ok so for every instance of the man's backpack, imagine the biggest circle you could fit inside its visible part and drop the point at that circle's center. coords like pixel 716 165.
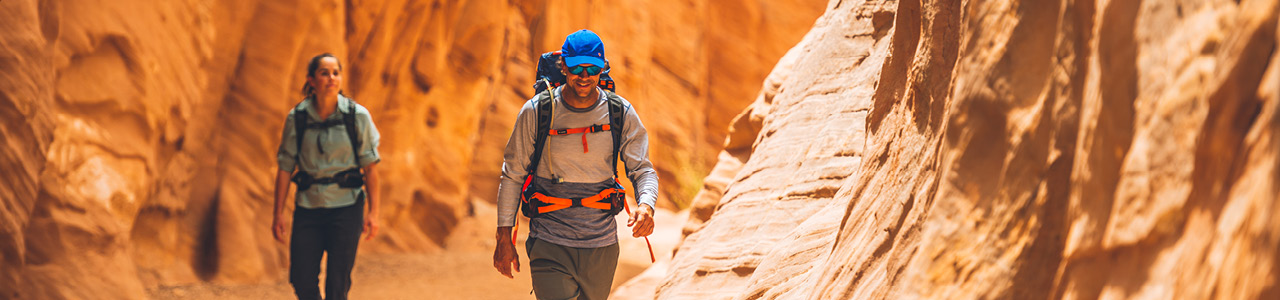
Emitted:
pixel 350 178
pixel 549 76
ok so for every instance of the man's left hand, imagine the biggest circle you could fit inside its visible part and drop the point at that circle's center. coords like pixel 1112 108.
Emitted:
pixel 641 221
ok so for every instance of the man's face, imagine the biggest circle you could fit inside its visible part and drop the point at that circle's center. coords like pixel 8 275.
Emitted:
pixel 583 79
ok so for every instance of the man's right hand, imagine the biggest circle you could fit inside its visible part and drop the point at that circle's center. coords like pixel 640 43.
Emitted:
pixel 505 257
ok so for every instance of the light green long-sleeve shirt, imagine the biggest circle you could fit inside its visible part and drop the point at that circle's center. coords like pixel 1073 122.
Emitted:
pixel 327 151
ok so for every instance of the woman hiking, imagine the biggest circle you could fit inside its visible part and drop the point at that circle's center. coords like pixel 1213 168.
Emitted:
pixel 329 148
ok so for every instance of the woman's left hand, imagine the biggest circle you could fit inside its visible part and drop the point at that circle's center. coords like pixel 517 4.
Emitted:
pixel 371 225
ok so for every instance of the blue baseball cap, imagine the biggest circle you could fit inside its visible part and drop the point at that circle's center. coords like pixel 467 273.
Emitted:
pixel 583 47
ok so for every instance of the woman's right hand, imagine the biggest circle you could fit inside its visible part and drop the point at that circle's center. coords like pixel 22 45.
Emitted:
pixel 277 228
pixel 282 190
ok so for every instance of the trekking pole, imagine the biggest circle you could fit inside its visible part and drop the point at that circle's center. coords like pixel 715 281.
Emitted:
pixel 646 243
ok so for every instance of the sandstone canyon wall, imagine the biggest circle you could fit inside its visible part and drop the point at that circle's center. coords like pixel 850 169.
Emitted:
pixel 949 149
pixel 137 138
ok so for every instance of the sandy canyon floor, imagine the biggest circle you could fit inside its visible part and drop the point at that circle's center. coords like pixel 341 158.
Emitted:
pixel 462 271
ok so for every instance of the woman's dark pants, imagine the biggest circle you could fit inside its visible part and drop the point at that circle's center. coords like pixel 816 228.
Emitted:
pixel 315 232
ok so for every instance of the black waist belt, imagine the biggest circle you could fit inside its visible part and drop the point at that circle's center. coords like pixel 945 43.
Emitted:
pixel 349 178
pixel 325 180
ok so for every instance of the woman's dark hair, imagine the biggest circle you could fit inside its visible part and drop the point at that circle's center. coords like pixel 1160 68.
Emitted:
pixel 311 71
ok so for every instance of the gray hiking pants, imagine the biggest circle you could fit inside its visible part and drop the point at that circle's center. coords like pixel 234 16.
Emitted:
pixel 561 272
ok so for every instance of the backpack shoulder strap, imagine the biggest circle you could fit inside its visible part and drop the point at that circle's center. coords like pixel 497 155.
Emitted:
pixel 617 119
pixel 542 104
pixel 349 120
pixel 300 117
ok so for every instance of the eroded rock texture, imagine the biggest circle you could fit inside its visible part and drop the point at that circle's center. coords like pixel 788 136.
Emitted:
pixel 1001 149
pixel 138 138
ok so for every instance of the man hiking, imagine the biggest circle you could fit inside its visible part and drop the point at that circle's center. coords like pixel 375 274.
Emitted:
pixel 559 168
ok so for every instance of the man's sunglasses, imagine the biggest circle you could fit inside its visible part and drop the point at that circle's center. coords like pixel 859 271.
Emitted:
pixel 591 70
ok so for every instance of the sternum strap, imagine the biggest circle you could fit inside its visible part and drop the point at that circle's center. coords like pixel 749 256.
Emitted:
pixel 583 130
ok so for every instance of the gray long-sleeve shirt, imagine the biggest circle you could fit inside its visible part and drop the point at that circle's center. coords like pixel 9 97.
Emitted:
pixel 584 173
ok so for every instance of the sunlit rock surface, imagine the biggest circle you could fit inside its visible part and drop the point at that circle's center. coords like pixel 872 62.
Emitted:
pixel 138 138
pixel 1000 149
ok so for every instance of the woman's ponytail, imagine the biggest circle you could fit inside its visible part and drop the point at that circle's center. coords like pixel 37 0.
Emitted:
pixel 306 89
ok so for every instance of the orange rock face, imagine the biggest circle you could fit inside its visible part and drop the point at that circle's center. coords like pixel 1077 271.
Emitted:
pixel 1001 149
pixel 139 137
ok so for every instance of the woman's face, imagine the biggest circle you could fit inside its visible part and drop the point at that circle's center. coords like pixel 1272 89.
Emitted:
pixel 327 78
